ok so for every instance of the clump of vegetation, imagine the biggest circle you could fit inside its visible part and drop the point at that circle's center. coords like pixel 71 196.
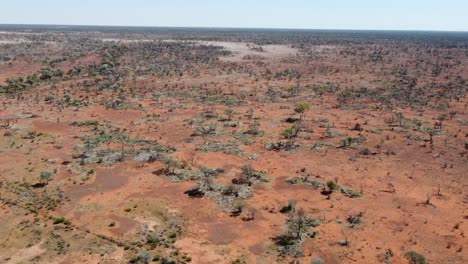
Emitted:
pixel 204 130
pixel 317 184
pixel 298 227
pixel 45 177
pixel 61 220
pixel 250 176
pixel 332 186
pixel 229 197
pixel 288 142
pixel 290 208
pixel 230 148
pixel 85 123
pixel 355 219
pixel 57 244
pixel 350 192
pixel 290 133
pixel 144 257
pixel 301 110
pixel 33 197
pixel 144 151
pixel 351 141
pixel 254 129
pixel 327 187
pixel 171 164
pixel 317 261
pixel 415 258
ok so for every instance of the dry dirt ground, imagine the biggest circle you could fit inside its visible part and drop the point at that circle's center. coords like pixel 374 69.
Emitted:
pixel 95 166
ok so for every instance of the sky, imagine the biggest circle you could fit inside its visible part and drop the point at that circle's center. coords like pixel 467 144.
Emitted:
pixel 450 15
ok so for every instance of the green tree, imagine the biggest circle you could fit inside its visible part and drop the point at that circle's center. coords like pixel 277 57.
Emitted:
pixel 301 109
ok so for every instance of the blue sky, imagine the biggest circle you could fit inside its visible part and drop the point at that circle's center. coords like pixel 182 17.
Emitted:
pixel 313 14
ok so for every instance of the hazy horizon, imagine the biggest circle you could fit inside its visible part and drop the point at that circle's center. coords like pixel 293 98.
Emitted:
pixel 397 15
pixel 232 28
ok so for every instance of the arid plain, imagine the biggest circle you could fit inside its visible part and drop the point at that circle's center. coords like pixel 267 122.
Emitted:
pixel 134 145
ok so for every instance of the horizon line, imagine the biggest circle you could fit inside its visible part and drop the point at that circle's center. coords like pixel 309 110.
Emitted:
pixel 234 28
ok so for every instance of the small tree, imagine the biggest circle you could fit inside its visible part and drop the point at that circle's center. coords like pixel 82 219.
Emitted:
pixel 207 182
pixel 229 113
pixel 298 228
pixel 254 128
pixel 144 257
pixel 248 175
pixel 171 164
pixel 290 135
pixel 298 224
pixel 123 139
pixel 107 139
pixel 247 169
pixel 249 114
pixel 399 117
pixel 431 132
pixel 205 130
pixel 301 109
pixel 45 177
pixel 332 186
pixel 290 132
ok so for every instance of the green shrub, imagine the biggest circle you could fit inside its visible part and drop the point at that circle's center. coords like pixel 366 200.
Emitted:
pixel 290 132
pixel 317 261
pixel 332 185
pixel 46 176
pixel 415 258
pixel 59 220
